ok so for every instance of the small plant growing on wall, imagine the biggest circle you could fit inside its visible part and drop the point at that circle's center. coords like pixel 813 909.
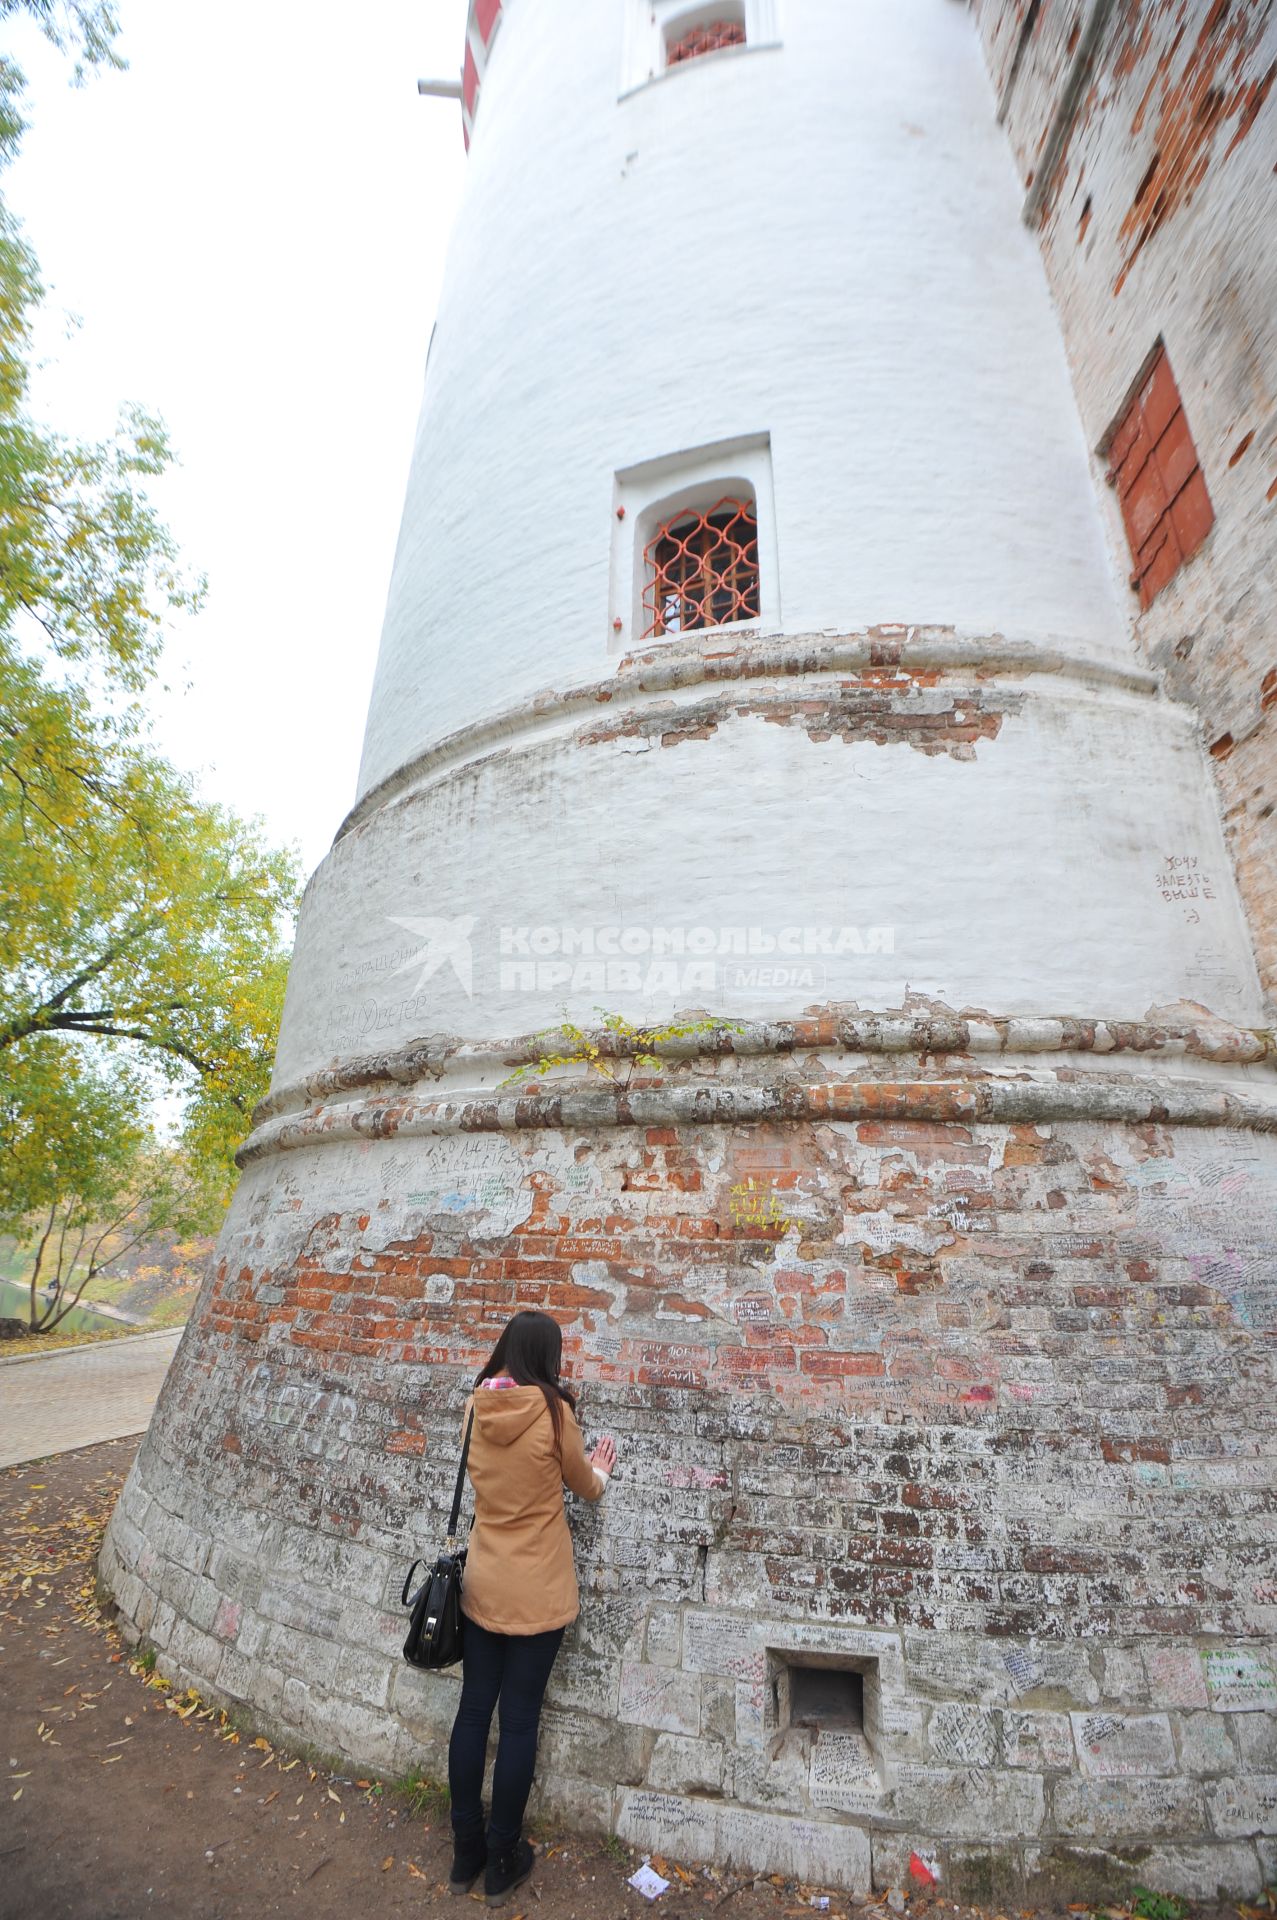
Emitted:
pixel 1147 1905
pixel 617 1043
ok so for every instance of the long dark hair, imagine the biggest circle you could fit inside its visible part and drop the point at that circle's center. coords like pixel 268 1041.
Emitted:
pixel 531 1352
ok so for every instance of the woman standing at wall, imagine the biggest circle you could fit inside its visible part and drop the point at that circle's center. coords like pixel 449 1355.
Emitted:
pixel 520 1590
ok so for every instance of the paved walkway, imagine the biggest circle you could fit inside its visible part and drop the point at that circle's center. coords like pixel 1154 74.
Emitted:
pixel 52 1403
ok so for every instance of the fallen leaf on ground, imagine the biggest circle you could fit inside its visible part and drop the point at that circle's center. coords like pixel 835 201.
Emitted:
pixel 388 1863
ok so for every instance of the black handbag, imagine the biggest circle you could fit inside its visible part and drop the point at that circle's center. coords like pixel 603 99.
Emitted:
pixel 435 1616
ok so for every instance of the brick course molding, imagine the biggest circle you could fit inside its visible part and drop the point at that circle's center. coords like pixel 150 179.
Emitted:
pixel 894 659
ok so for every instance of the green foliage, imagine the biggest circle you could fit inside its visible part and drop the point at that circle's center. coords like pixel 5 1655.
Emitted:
pixel 141 938
pixel 126 1201
pixel 86 29
pixel 1146 1905
pixel 426 1799
pixel 618 1040
pixel 145 1658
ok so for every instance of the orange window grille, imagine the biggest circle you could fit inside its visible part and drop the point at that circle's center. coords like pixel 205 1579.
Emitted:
pixel 1153 464
pixel 705 39
pixel 702 570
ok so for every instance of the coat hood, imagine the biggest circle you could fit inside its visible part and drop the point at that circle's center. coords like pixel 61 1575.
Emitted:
pixel 504 1413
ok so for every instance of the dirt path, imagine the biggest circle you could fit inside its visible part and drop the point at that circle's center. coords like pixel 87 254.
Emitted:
pixel 120 1800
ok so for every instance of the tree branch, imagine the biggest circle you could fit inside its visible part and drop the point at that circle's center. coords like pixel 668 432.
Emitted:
pixel 39 1261
pixel 113 952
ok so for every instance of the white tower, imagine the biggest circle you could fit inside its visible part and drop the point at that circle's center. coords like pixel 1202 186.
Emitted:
pixel 753 664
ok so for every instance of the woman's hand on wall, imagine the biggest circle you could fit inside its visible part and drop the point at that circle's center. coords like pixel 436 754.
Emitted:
pixel 603 1458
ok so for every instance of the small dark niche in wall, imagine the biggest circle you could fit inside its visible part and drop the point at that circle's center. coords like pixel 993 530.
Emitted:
pixel 825 1697
pixel 820 1690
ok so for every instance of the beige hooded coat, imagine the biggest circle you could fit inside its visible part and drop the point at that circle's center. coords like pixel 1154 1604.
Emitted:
pixel 519 1574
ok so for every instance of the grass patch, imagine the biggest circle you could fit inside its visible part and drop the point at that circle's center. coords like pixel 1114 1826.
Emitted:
pixel 145 1659
pixel 50 1342
pixel 425 1799
pixel 174 1311
pixel 1147 1905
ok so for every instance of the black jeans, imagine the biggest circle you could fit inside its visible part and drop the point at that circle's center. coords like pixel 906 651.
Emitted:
pixel 512 1668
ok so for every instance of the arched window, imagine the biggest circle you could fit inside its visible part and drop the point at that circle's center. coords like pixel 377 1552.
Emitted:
pixel 706 37
pixel 701 569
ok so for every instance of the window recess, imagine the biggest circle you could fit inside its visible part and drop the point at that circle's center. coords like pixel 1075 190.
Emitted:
pixel 701 570
pixel 684 41
pixel 664 37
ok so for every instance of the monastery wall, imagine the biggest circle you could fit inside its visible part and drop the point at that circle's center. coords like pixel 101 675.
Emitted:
pixel 1145 134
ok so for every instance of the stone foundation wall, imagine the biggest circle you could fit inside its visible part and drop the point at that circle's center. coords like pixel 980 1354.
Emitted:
pixel 984 1414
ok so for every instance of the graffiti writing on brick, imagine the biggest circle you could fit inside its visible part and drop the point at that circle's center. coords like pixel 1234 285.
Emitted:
pixel 753 1205
pixel 717 1643
pixel 963 1736
pixel 1239 1681
pixel 844 1775
pixel 1111 1745
pixel 1183 877
pixel 320 1420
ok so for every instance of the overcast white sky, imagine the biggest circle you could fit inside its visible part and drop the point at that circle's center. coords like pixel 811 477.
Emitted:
pixel 250 226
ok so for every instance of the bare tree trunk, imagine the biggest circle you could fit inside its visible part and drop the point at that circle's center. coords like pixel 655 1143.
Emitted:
pixel 95 1265
pixel 32 1321
pixel 47 1321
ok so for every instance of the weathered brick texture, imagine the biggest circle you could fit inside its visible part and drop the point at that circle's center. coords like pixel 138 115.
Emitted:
pixel 1154 216
pixel 990 1410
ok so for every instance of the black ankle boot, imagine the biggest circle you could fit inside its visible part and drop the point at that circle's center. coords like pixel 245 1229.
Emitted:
pixel 508 1868
pixel 469 1858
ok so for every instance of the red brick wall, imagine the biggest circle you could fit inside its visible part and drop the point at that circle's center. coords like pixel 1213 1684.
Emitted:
pixel 996 1403
pixel 1148 166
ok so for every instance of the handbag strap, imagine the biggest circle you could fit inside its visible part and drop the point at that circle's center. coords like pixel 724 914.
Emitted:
pixel 455 1515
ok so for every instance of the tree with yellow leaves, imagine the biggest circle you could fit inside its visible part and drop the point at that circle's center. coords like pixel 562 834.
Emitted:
pixel 142 929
